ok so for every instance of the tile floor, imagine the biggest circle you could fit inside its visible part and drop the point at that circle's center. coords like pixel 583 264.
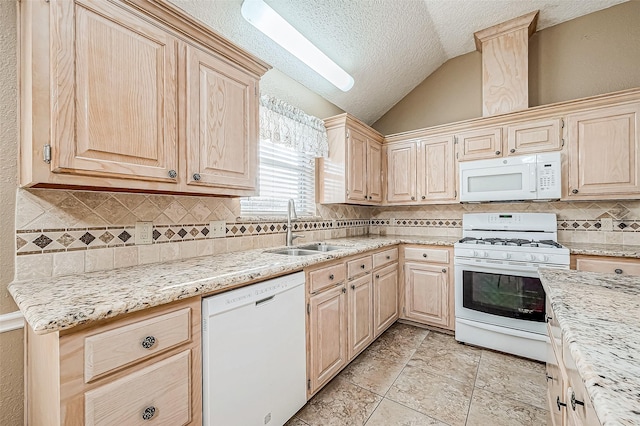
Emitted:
pixel 412 376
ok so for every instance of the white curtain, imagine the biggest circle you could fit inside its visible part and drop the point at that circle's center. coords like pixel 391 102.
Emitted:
pixel 284 124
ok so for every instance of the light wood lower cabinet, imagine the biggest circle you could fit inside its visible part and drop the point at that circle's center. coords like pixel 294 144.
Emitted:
pixel 144 367
pixel 385 297
pixel 428 286
pixel 360 322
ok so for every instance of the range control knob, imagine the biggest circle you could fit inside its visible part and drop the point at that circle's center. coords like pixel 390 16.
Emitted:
pixel 544 258
pixel 506 255
pixel 475 253
pixel 531 257
pixel 485 253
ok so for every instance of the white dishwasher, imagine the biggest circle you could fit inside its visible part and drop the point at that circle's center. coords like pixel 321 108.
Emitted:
pixel 254 354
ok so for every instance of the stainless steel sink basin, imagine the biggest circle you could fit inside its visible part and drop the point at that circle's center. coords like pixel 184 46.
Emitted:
pixel 320 247
pixel 293 252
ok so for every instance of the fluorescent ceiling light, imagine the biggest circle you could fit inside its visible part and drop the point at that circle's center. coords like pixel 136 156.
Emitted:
pixel 264 18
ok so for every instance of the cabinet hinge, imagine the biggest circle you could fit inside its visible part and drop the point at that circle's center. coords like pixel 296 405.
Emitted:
pixel 404 311
pixel 46 154
pixel 348 134
pixel 457 155
pixel 308 309
pixel 309 384
pixel 562 120
pixel 455 139
pixel 562 142
pixel 455 193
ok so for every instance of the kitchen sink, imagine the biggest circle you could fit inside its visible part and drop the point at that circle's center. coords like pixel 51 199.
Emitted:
pixel 293 252
pixel 320 247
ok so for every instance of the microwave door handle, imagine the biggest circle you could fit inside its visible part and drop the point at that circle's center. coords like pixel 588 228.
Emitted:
pixel 532 178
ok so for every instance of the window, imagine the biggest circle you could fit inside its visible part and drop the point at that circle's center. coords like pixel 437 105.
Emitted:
pixel 284 173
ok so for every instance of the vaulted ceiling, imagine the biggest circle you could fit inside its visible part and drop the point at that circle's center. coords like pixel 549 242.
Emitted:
pixel 388 46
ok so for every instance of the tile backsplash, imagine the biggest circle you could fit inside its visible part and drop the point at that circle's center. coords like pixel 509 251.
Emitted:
pixel 61 232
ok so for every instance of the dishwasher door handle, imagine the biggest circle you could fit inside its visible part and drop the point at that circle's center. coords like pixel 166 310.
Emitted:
pixel 265 300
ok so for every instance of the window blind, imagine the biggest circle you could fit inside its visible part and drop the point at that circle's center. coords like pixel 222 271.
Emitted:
pixel 284 173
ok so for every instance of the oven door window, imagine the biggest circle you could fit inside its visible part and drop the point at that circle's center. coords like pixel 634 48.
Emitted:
pixel 504 295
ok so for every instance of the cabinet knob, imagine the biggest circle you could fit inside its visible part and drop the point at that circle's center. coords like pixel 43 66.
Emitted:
pixel 548 377
pixel 148 413
pixel 362 266
pixel 548 318
pixel 331 276
pixel 424 255
pixel 196 176
pixel 413 198
pixel 512 150
pixel 444 270
pixel 618 271
pixel 344 289
pixel 377 275
pixel 560 404
pixel 172 174
pixel 574 401
pixel 424 197
pixel 574 191
pixel 148 342
pixel 497 152
pixel 370 197
pixel 388 257
pixel 353 286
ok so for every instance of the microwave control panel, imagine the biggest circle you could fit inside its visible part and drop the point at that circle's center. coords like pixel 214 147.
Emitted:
pixel 548 176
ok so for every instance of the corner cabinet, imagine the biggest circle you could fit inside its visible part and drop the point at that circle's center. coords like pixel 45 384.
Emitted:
pixel 604 153
pixel 352 173
pixel 104 89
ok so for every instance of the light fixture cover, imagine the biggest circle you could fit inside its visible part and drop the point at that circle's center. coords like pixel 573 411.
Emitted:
pixel 274 26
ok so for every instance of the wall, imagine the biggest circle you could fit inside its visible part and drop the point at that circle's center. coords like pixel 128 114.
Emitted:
pixel 594 54
pixel 11 396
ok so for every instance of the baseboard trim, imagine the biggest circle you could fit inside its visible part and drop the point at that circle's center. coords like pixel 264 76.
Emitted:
pixel 11 321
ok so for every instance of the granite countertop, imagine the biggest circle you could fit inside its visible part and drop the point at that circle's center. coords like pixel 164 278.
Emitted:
pixel 595 249
pixel 64 302
pixel 599 314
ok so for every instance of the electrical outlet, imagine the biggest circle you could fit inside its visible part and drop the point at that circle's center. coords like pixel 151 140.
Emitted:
pixel 606 224
pixel 218 228
pixel 144 233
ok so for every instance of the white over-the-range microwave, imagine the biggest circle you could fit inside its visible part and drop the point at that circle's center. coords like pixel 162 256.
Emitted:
pixel 525 177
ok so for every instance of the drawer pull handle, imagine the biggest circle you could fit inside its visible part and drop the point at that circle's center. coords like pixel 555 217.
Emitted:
pixel 331 277
pixel 362 266
pixel 148 413
pixel 424 255
pixel 618 271
pixel 388 257
pixel 574 401
pixel 148 342
pixel 560 404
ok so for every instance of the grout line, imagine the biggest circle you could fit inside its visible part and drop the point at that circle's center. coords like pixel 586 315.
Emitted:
pixel 473 390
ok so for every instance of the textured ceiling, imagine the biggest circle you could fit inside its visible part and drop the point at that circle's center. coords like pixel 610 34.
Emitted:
pixel 388 46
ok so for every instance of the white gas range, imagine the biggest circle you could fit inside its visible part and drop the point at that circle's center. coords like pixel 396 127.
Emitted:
pixel 500 302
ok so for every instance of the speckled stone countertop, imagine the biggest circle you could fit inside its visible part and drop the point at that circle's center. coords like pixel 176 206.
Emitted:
pixel 594 249
pixel 64 302
pixel 600 316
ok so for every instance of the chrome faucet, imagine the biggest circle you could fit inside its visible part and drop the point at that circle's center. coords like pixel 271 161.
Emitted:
pixel 291 215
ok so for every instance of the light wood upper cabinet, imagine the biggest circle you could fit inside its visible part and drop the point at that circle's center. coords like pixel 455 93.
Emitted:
pixel 401 172
pixel 604 153
pixel 136 98
pixel 327 334
pixel 116 91
pixel 352 172
pixel 385 298
pixel 436 170
pixel 360 324
pixel 222 131
pixel 480 144
pixel 531 137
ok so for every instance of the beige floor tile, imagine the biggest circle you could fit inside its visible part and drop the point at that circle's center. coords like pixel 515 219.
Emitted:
pixel 444 399
pixel 294 421
pixel 441 354
pixel 390 413
pixel 491 409
pixel 373 372
pixel 339 403
pixel 398 342
pixel 513 377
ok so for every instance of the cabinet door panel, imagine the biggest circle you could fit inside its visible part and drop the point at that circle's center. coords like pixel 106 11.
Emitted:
pixel 327 329
pixel 360 314
pixel 533 137
pixel 374 171
pixel 385 298
pixel 604 158
pixel 479 144
pixel 401 172
pixel 222 135
pixel 427 294
pixel 357 166
pixel 436 177
pixel 116 92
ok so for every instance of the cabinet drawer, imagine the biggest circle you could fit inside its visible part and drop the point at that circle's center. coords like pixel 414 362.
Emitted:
pixel 426 255
pixel 326 277
pixel 116 348
pixel 610 266
pixel 385 257
pixel 159 392
pixel 359 266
